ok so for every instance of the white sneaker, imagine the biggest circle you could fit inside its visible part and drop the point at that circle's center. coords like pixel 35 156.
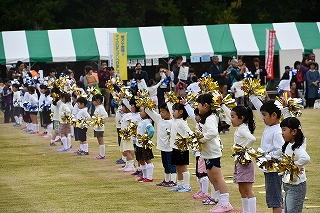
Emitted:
pixel 129 169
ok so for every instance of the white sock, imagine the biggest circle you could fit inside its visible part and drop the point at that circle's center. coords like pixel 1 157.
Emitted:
pixel 49 129
pixel 69 141
pixel 72 131
pixel 204 182
pixel 150 167
pixel 81 146
pixel 64 141
pixel 174 177
pixel 144 170
pixel 180 183
pixel 166 177
pixel 252 205
pixel 45 130
pixel 283 211
pixel 34 127
pixel 20 120
pixel 102 150
pixel 86 147
pixel 186 178
pixel 37 127
pixel 124 158
pixel 28 126
pixel 245 205
pixel 224 198
pixel 16 119
pixel 131 163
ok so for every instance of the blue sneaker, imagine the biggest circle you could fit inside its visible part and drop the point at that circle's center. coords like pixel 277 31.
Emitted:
pixel 15 124
pixel 185 189
pixel 176 189
pixel 63 150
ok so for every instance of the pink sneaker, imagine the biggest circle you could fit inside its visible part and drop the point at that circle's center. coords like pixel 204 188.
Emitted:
pixel 121 169
pixel 219 208
pixel 195 194
pixel 200 195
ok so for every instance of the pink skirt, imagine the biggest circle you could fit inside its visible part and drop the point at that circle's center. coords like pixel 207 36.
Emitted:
pixel 243 173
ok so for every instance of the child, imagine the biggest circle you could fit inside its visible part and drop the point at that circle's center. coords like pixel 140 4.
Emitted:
pixel 81 131
pixel 153 90
pixel 65 110
pixel 238 92
pixel 26 113
pixel 144 155
pixel 55 107
pixel 135 117
pixel 118 118
pixel 17 102
pixel 34 105
pixel 75 110
pixel 295 191
pixel 194 86
pixel 7 95
pixel 164 122
pixel 284 84
pixel 100 111
pixel 180 158
pixel 126 146
pixel 242 118
pixel 45 107
pixel 271 143
pixel 211 152
pixel 201 172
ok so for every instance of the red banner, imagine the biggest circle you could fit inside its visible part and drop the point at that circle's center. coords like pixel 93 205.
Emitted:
pixel 270 44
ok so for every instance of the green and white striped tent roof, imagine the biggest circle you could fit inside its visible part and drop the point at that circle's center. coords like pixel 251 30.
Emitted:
pixel 156 42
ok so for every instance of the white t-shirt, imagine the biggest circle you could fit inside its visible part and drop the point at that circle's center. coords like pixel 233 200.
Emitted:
pixel 194 88
pixel 236 89
pixel 17 99
pixel 142 128
pixel 101 112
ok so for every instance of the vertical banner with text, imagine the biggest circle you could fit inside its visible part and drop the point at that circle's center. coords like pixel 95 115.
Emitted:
pixel 270 45
pixel 118 53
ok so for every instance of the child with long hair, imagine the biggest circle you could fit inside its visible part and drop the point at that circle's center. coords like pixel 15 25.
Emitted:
pixel 242 118
pixel 211 151
pixel 144 155
pixel 97 101
pixel 55 117
pixel 45 108
pixel 164 121
pixel 294 145
pixel 34 107
pixel 65 110
pixel 180 158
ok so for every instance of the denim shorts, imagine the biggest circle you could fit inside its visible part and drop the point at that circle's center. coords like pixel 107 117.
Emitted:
pixel 16 111
pixel 273 184
pixel 294 197
pixel 166 162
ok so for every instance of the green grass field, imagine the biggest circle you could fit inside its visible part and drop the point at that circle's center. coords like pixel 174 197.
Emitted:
pixel 34 177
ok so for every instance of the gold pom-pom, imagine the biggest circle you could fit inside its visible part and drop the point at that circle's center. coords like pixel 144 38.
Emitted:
pixel 172 97
pixel 194 140
pixel 144 100
pixel 253 87
pixel 181 143
pixel 287 167
pixel 295 107
pixel 145 141
pixel 51 116
pixel 97 121
pixel 229 101
pixel 192 99
pixel 241 154
pixel 208 85
pixel 215 103
pixel 67 118
pixel 131 130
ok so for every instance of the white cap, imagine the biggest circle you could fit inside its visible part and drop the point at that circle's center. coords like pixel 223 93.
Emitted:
pixel 126 103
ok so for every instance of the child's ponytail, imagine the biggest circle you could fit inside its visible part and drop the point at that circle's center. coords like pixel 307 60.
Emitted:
pixel 294 123
pixel 247 114
pixel 250 120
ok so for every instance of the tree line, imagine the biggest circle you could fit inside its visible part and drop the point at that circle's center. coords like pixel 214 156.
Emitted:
pixel 64 14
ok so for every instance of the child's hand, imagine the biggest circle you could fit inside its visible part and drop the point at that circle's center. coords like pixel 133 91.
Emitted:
pixel 183 101
pixel 301 170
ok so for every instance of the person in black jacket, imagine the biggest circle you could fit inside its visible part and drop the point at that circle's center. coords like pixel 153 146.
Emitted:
pixel 216 72
pixel 259 71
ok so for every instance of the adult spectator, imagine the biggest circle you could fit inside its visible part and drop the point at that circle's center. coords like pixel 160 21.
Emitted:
pixel 140 74
pixel 165 86
pixel 157 76
pixel 35 72
pixel 191 74
pixel 297 75
pixel 11 74
pixel 216 72
pixel 176 68
pixel 313 79
pixel 20 72
pixel 104 76
pixel 52 74
pixel 304 67
pixel 312 57
pixel 234 71
pixel 259 71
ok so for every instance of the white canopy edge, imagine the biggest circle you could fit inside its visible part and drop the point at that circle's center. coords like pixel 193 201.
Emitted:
pixel 288 36
pixel 62 46
pixel 153 42
pixel 103 41
pixel 198 40
pixel 15 46
pixel 244 39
